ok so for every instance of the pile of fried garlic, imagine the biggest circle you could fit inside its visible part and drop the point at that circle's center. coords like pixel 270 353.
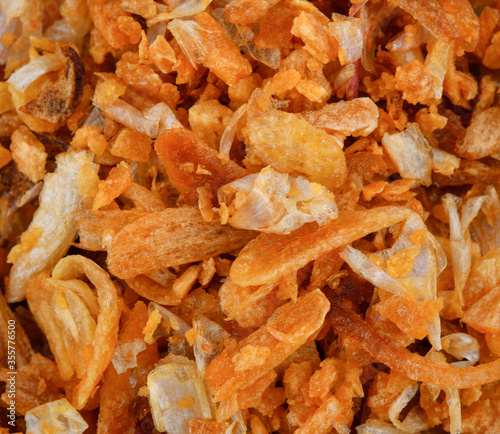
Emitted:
pixel 230 216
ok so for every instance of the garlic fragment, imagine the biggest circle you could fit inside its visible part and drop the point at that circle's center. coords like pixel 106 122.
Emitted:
pixel 275 202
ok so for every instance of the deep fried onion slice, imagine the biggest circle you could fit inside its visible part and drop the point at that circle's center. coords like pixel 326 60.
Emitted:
pixel 412 365
pixel 65 309
pixel 168 238
pixel 293 251
pixel 191 163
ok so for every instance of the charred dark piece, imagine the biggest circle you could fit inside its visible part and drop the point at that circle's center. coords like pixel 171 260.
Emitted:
pixel 58 100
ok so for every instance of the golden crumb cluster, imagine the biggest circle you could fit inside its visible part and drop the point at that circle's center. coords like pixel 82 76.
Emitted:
pixel 262 216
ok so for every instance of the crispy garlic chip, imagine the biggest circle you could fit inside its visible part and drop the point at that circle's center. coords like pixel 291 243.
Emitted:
pixel 168 238
pixel 290 326
pixel 60 415
pixel 81 327
pixel 53 227
pixel 184 154
pixel 293 251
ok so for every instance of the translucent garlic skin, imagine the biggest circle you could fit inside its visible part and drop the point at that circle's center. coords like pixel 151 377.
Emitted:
pixel 177 394
pixel 275 202
pixel 415 158
pixel 58 416
pixel 407 267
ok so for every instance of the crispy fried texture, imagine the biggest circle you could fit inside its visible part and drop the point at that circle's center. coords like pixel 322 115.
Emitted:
pixel 89 353
pixel 293 251
pixel 223 57
pixel 357 117
pixel 182 153
pixel 132 145
pixel 28 153
pixel 106 333
pixel 313 29
pixel 168 238
pixel 290 327
pixel 433 16
pixel 53 227
pixel 154 291
pixel 114 23
pixel 57 101
pixel 410 364
pixel 117 182
pixel 247 11
pixel 120 405
pixel 94 227
pixel 297 203
pixel 292 145
pixel 409 315
pixel 481 137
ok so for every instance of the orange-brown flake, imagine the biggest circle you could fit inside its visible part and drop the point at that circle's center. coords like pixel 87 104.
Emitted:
pixel 117 182
pixel 168 238
pixel 131 145
pixel 28 153
pixel 178 146
pixel 289 328
pixel 291 252
pixel 114 23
